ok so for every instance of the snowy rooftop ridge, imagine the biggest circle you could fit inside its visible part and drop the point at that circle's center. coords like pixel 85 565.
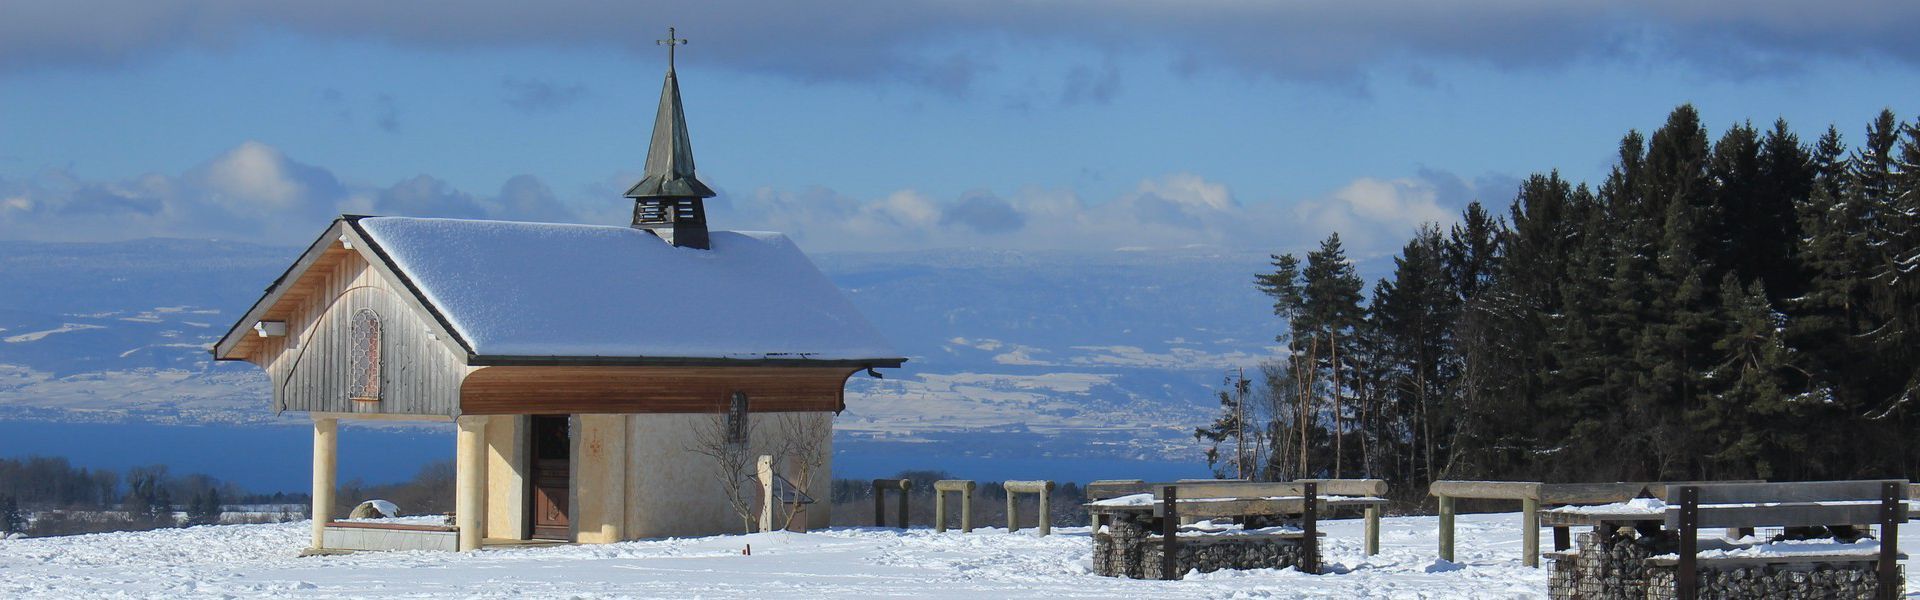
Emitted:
pixel 557 290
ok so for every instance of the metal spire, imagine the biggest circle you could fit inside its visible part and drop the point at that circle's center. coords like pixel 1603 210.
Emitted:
pixel 669 169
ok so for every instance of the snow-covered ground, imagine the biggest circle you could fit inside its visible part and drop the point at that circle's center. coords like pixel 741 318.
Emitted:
pixel 258 561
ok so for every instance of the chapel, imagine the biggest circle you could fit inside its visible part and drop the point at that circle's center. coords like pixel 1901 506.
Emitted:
pixel 602 379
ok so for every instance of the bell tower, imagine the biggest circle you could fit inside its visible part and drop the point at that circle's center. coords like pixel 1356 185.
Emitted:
pixel 669 201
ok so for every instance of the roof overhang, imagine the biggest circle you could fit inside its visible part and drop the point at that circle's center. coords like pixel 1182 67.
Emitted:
pixel 346 230
pixel 492 360
pixel 223 349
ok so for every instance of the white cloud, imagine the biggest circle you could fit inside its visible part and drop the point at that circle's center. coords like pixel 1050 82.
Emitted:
pixel 256 192
pixel 253 192
pixel 1368 209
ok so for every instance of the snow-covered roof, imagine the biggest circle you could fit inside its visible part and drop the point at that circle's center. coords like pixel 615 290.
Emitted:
pixel 554 290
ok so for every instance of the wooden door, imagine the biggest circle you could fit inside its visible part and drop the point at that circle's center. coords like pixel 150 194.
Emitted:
pixel 547 496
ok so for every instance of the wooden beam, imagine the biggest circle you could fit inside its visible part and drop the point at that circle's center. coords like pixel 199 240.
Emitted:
pixel 626 390
pixel 1486 490
pixel 1803 491
pixel 1350 487
pixel 1785 515
pixel 1589 493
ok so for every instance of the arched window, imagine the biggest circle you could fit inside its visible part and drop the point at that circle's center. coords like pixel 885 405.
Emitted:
pixel 363 356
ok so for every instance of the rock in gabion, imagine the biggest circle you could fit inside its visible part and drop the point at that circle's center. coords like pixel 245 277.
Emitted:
pixel 1612 566
pixel 1129 549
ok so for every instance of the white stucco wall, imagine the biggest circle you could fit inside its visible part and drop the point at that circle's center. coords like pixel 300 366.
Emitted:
pixel 674 491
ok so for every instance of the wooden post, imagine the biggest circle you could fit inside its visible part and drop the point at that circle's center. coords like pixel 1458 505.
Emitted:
pixel 470 482
pixel 1686 578
pixel 939 509
pixel 1889 567
pixel 1310 551
pixel 1446 528
pixel 326 460
pixel 880 487
pixel 1373 530
pixel 962 487
pixel 1041 487
pixel 1013 512
pixel 966 509
pixel 1046 510
pixel 906 489
pixel 765 476
pixel 1530 538
pixel 1169 532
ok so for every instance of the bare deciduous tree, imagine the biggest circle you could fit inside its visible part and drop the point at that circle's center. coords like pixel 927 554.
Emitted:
pixel 804 449
pixel 732 463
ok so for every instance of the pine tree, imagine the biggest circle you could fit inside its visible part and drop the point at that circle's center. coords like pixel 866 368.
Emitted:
pixel 12 520
pixel 1233 427
pixel 1753 418
pixel 1331 311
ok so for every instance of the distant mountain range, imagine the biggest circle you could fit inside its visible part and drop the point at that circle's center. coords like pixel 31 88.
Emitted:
pixel 1029 355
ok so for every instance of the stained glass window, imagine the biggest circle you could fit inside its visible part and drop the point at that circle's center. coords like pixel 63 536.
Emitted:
pixel 737 419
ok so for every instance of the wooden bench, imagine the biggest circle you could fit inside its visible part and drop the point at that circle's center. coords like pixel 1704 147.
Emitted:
pixel 1532 496
pixel 1806 504
pixel 1303 501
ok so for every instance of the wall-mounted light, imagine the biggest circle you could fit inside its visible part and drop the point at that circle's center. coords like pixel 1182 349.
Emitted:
pixel 270 328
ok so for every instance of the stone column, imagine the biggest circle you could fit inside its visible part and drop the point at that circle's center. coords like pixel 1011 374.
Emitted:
pixel 507 471
pixel 326 460
pixel 470 482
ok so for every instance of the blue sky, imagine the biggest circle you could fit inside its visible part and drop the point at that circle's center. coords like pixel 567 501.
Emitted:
pixel 884 126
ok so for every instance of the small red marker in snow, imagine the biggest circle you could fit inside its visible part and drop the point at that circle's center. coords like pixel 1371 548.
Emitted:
pixel 748 551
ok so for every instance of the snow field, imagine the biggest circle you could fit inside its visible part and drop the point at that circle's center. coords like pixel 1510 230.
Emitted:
pixel 258 561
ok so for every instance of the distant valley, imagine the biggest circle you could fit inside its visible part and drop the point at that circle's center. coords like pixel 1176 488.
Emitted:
pixel 1023 356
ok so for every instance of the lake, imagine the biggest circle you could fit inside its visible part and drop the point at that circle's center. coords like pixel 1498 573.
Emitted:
pixel 269 458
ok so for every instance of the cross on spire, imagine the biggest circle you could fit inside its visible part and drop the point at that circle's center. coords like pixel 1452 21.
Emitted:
pixel 670 43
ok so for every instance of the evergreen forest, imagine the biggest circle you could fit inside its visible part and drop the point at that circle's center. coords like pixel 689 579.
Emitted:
pixel 1745 306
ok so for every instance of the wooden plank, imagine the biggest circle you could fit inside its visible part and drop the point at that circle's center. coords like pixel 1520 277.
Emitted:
pixel 1803 491
pixel 1115 488
pixel 1784 515
pixel 544 390
pixel 1589 493
pixel 1552 518
pixel 1486 490
pixel 1723 562
pixel 1350 487
pixel 1236 489
pixel 387 526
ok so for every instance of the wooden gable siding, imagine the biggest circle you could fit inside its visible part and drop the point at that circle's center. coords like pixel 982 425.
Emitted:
pixel 419 374
pixel 590 390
